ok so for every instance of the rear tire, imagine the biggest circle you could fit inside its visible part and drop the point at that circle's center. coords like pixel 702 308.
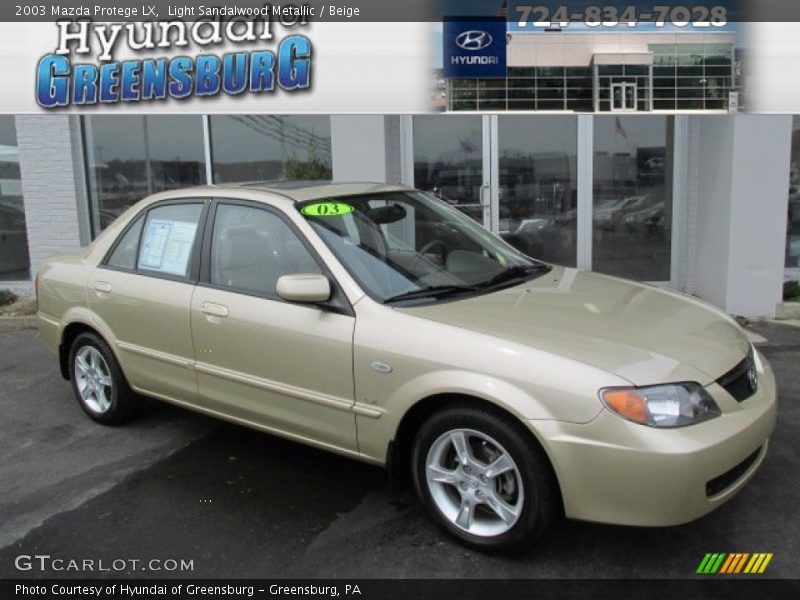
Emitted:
pixel 484 480
pixel 98 382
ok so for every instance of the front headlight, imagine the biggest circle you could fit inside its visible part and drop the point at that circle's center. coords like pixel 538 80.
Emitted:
pixel 670 405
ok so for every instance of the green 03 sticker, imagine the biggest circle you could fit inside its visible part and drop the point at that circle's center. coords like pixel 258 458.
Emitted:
pixel 326 209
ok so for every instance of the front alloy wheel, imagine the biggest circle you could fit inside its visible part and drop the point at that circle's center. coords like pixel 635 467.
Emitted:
pixel 484 479
pixel 474 482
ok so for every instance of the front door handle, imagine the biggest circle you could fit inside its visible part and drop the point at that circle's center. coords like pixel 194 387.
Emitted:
pixel 213 310
pixel 102 286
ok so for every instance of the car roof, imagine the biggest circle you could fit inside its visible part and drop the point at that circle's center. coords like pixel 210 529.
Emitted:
pixel 302 191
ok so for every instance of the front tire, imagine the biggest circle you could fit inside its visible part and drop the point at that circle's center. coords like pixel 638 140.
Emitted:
pixel 98 382
pixel 484 480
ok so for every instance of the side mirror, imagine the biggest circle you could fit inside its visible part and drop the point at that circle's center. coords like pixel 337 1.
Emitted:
pixel 308 288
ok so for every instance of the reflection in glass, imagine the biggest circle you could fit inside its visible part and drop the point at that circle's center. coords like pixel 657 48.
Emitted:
pixel 266 147
pixel 538 157
pixel 130 157
pixel 632 212
pixel 793 223
pixel 692 76
pixel 448 160
pixel 14 260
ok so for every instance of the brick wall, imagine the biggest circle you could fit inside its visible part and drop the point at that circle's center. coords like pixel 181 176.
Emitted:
pixel 52 184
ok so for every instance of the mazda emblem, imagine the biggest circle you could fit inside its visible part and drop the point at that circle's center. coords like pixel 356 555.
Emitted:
pixel 473 39
pixel 752 378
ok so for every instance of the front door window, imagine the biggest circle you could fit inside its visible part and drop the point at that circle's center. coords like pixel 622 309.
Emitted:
pixel 252 248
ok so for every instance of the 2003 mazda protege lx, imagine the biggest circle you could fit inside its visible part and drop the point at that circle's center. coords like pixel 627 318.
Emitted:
pixel 380 323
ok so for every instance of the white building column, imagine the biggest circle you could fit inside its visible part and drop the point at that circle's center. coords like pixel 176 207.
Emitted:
pixel 739 200
pixel 52 184
pixel 366 148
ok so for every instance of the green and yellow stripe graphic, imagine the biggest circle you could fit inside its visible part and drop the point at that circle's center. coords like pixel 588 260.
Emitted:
pixel 732 563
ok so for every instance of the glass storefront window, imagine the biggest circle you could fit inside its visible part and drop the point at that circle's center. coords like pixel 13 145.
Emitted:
pixel 793 222
pixel 266 147
pixel 130 157
pixel 632 209
pixel 448 160
pixel 707 68
pixel 14 260
pixel 537 170
pixel 692 76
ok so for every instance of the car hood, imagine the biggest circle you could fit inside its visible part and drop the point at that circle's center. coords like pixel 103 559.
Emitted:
pixel 636 331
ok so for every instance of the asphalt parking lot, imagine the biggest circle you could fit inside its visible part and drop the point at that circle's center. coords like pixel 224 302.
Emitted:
pixel 176 485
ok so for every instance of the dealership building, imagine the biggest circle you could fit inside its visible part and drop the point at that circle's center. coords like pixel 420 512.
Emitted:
pixel 607 72
pixel 705 204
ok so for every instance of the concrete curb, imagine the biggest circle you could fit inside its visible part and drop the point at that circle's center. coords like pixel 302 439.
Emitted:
pixel 17 323
pixel 786 322
pixel 788 310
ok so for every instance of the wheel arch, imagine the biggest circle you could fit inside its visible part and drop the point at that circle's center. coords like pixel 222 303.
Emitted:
pixel 398 455
pixel 70 332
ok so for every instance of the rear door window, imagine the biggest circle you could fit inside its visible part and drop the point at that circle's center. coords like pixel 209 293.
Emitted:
pixel 124 255
pixel 168 239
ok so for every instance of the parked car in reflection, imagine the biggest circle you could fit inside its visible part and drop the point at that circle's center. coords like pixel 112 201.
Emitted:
pixel 647 221
pixel 610 214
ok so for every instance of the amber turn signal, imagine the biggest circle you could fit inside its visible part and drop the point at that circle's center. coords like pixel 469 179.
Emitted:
pixel 627 403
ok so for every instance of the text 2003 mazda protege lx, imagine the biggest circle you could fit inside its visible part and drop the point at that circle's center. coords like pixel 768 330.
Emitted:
pixel 380 323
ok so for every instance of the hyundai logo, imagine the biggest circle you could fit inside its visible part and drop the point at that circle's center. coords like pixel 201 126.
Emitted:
pixel 473 40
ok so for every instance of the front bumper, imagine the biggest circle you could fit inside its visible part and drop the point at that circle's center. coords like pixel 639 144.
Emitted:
pixel 613 471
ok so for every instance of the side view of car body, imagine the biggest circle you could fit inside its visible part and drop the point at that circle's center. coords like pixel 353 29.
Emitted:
pixel 382 324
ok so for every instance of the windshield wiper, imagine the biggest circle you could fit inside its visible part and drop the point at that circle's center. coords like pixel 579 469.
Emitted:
pixel 434 291
pixel 515 273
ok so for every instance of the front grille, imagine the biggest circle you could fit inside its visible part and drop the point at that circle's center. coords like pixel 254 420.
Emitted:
pixel 741 381
pixel 728 478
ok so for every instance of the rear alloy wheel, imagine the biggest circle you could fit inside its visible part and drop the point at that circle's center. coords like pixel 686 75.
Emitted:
pixel 93 378
pixel 483 480
pixel 98 382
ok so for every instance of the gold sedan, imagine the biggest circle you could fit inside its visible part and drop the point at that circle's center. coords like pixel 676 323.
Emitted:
pixel 380 323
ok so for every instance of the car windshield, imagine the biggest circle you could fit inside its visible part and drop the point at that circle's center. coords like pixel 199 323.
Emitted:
pixel 410 248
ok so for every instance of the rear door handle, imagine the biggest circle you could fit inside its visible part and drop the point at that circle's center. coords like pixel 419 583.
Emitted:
pixel 213 310
pixel 103 287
